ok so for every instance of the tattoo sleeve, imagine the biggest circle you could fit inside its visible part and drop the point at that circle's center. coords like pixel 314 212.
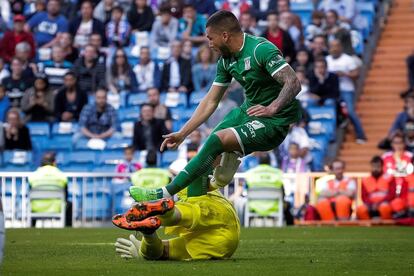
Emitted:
pixel 291 87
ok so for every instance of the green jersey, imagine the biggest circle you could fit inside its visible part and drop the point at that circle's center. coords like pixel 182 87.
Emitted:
pixel 254 67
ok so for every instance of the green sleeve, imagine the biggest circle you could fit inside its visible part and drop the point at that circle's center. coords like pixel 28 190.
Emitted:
pixel 269 56
pixel 223 78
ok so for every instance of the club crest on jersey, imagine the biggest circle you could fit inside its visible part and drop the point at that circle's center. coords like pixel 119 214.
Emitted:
pixel 247 65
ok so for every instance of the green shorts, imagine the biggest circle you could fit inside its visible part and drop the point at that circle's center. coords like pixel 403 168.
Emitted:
pixel 254 133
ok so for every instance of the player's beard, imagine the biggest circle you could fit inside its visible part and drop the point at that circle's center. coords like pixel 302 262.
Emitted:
pixel 225 51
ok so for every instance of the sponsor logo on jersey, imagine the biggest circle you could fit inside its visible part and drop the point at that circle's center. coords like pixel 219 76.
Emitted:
pixel 273 62
pixel 247 65
pixel 253 126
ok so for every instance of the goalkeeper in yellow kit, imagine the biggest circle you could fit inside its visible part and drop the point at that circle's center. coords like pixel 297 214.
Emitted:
pixel 205 223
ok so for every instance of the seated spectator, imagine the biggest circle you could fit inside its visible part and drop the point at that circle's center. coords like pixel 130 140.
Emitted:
pixel 14 37
pixel 23 51
pixel 148 131
pixel 236 7
pixel 118 29
pixel 346 9
pixel 315 27
pixel 128 165
pixel 56 68
pixel 187 51
pixel 205 7
pixel 16 134
pixel 120 76
pixel 192 26
pixel 17 6
pixel 279 37
pixel 248 24
pixel 409 136
pixel 16 84
pixel 37 102
pixel 318 47
pixel 3 70
pixel 176 73
pixel 322 84
pixel 161 111
pixel 146 71
pixel 103 11
pixel 397 162
pixel 85 25
pixel 287 24
pixel 69 100
pixel 4 103
pixel 46 26
pixel 204 71
pixel 304 96
pixel 335 29
pixel 65 41
pixel 39 6
pixel 90 73
pixel 98 120
pixel 378 191
pixel 335 196
pixel 96 40
pixel 298 135
pixel 165 28
pixel 303 60
pixel 260 8
pixel 140 16
pixel 345 67
pixel 293 162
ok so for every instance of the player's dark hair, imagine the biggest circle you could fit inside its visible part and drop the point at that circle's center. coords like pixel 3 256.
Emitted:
pixel 151 158
pixel 377 160
pixel 224 21
pixel 264 159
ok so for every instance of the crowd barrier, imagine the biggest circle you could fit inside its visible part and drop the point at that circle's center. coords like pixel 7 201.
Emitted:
pixel 96 197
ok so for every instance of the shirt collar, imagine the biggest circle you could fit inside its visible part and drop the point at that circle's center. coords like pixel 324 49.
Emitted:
pixel 242 47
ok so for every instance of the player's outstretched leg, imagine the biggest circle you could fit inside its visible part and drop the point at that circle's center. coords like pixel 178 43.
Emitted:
pixel 143 210
pixel 148 225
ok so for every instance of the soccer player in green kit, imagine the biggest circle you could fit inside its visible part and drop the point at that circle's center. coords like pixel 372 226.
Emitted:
pixel 261 123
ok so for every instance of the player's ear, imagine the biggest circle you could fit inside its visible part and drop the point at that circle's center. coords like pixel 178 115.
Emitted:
pixel 225 36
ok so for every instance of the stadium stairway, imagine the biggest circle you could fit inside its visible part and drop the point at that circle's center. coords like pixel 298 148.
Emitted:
pixel 386 79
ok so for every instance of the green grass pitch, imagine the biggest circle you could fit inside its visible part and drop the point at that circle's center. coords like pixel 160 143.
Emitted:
pixel 262 251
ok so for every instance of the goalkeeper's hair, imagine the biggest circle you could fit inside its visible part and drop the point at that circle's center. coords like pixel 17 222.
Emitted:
pixel 224 21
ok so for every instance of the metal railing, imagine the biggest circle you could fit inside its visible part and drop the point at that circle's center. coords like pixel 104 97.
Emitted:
pixel 96 197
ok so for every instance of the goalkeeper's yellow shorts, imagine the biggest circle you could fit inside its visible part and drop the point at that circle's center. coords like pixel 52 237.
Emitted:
pixel 214 233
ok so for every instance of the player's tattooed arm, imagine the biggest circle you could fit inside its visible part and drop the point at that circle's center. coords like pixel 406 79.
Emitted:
pixel 291 87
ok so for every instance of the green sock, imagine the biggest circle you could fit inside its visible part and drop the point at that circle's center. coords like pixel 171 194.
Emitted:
pixel 152 247
pixel 197 166
pixel 198 187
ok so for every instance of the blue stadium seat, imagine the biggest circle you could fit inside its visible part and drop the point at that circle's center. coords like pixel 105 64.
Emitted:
pixel 104 168
pixel 39 129
pixel 319 144
pixel 82 157
pixel 168 157
pixel 64 128
pixel 304 10
pixel 357 42
pixel 58 143
pixel 137 99
pixel 322 113
pixel 82 144
pixel 322 127
pixel 121 198
pixel 110 157
pixel 76 168
pixel 174 99
pixel 128 114
pixel 17 168
pixel 17 158
pixel 118 143
pixel 98 203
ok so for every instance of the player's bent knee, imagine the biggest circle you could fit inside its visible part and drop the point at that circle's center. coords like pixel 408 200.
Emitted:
pixel 229 140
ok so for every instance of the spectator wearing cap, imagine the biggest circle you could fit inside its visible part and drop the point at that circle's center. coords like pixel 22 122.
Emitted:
pixel 89 71
pixel 118 29
pixel 56 68
pixel 14 37
pixel 164 30
pixel 47 25
pixel 140 16
pixel 192 26
pixel 37 102
pixel 85 25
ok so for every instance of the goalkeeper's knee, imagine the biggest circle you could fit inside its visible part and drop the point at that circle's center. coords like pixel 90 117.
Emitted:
pixel 225 171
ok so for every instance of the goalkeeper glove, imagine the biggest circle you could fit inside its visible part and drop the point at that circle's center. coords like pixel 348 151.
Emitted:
pixel 128 249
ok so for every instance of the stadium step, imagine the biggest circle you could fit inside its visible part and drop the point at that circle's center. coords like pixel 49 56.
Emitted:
pixel 387 77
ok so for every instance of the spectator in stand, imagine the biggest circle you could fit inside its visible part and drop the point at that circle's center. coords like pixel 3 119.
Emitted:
pixel 248 24
pixel 47 26
pixel 177 8
pixel 192 26
pixel 304 96
pixel 260 8
pixel 161 111
pixel 335 196
pixel 16 84
pixel 205 7
pixel 176 72
pixel 303 60
pixel 148 131
pixel 14 37
pixel 293 162
pixel 56 68
pixel 4 103
pixel 165 28
pixel 39 6
pixel 5 11
pixel 89 72
pixel 140 16
pixel 69 100
pixel 404 116
pixel 118 29
pixel 120 76
pixel 128 165
pixel 65 41
pixel 405 199
pixel 284 6
pixel 3 70
pixel 409 136
pixel 335 29
pixel 37 102
pixel 397 162
pixel 346 9
pixel 410 70
pixel 103 11
pixel 146 71
pixel 378 191
pixel 287 24
pixel 17 6
pixel 236 7
pixel 98 120
pixel 345 67
pixel 315 27
pixel 96 40
pixel 204 71
pixel 279 37
pixel 323 85
pixel 318 47
pixel 85 25
pixel 23 51
pixel 187 51
pixel 16 134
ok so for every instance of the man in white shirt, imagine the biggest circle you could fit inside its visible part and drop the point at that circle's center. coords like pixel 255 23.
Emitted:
pixel 146 70
pixel 347 70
